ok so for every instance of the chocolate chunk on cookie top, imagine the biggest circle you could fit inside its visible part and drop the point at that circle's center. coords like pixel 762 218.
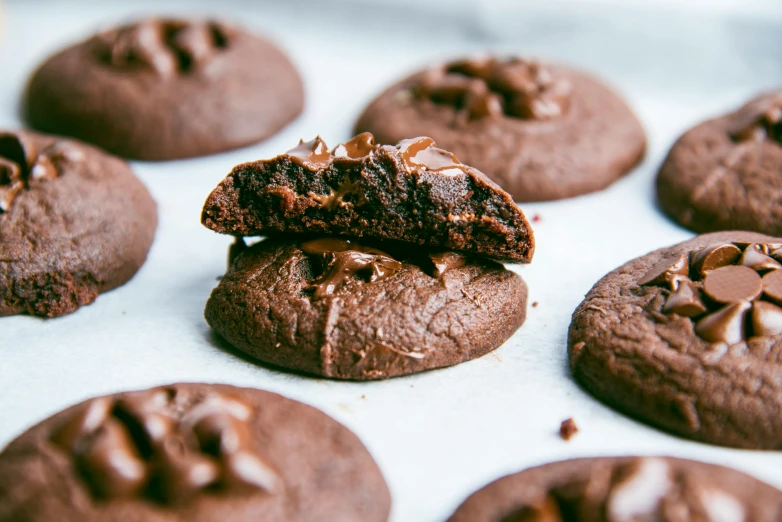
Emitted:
pixel 165 89
pixel 626 489
pixel 686 338
pixel 349 309
pixel 724 173
pixel 190 452
pixel 74 222
pixel 412 192
pixel 540 131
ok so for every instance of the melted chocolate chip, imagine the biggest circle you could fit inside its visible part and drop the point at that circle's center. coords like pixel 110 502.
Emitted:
pixel 166 47
pixel 490 87
pixel 316 155
pixel 422 152
pixel 344 260
pixel 718 287
pixel 21 165
pixel 445 261
pixel 356 148
pixel 146 445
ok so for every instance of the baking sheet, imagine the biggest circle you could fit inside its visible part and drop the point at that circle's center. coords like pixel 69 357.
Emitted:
pixel 439 435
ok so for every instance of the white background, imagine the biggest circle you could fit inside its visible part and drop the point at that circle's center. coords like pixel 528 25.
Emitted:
pixel 437 436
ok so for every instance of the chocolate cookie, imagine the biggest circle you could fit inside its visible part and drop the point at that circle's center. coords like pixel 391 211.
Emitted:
pixel 163 89
pixel 412 192
pixel 74 222
pixel 349 310
pixel 726 173
pixel 190 452
pixel 625 489
pixel 688 339
pixel 541 131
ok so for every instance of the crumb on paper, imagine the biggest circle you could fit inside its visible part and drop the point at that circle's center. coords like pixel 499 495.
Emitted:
pixel 534 304
pixel 567 429
pixel 536 218
pixel 363 396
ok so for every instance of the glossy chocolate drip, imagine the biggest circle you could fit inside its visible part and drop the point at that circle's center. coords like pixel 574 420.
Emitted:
pixel 345 259
pixel 356 148
pixel 733 291
pixel 21 165
pixel 422 152
pixel 445 261
pixel 313 154
pixel 490 87
pixel 758 120
pixel 146 445
pixel 166 47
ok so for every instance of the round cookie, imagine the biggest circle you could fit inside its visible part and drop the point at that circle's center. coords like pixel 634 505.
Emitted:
pixel 74 222
pixel 164 89
pixel 624 489
pixel 540 131
pixel 687 338
pixel 190 452
pixel 347 310
pixel 726 173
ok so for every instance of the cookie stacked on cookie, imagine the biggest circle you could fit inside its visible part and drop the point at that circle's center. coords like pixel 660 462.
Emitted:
pixel 381 260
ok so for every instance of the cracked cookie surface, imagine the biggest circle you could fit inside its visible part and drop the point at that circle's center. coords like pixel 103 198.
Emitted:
pixel 726 173
pixel 625 489
pixel 165 89
pixel 74 222
pixel 540 131
pixel 190 452
pixel 688 339
pixel 353 310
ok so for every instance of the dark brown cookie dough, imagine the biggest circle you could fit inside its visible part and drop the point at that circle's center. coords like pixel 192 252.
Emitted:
pixel 74 222
pixel 194 453
pixel 625 489
pixel 412 192
pixel 540 131
pixel 164 89
pixel 726 173
pixel 688 339
pixel 350 310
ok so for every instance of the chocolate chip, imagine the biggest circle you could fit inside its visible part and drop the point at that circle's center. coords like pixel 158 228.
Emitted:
pixel 755 256
pixel 715 256
pixel 422 152
pixel 313 154
pixel 445 261
pixel 725 325
pixel 766 319
pixel 685 300
pixel 663 273
pixel 758 120
pixel 357 147
pixel 568 428
pixel 490 87
pixel 731 284
pixel 772 286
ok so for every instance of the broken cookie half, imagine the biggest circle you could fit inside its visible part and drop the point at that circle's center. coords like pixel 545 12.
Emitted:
pixel 411 192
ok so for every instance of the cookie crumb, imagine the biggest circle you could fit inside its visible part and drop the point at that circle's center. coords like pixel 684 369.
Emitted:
pixel 567 429
pixel 536 218
pixel 363 396
pixel 534 304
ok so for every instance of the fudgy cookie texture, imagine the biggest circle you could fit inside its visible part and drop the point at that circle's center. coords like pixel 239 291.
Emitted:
pixel 625 489
pixel 190 452
pixel 688 339
pixel 348 310
pixel 541 131
pixel 726 173
pixel 412 192
pixel 74 222
pixel 164 89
